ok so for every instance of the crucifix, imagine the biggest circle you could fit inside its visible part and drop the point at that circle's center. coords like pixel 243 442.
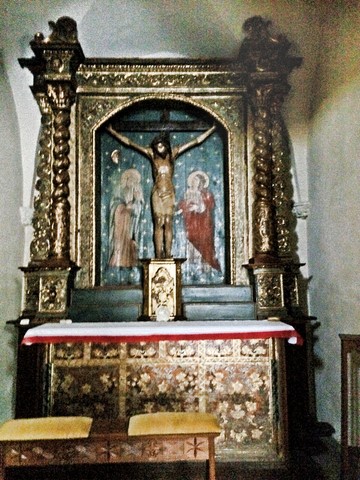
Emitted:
pixel 162 156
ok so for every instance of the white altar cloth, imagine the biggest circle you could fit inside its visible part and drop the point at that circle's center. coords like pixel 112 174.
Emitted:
pixel 116 332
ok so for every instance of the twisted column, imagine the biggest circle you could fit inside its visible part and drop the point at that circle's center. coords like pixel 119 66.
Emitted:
pixel 51 270
pixel 62 97
pixel 40 244
pixel 281 179
pixel 263 212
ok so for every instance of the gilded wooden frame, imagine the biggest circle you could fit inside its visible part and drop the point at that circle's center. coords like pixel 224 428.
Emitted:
pixel 105 89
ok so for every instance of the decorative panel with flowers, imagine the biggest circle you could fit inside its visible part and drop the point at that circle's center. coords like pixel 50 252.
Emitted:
pixel 238 380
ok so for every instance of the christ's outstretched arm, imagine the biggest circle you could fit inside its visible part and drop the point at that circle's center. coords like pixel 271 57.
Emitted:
pixel 196 141
pixel 126 141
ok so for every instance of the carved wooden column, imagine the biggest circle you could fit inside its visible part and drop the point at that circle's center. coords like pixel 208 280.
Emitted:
pixel 274 265
pixel 40 244
pixel 283 201
pixel 266 60
pixel 49 274
pixel 264 239
pixel 61 96
pixel 281 178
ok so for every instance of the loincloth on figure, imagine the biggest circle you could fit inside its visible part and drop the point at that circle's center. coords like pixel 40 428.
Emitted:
pixel 163 202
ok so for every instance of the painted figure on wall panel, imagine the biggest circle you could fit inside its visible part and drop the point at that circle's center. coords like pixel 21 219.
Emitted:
pixel 131 207
pixel 197 209
pixel 125 210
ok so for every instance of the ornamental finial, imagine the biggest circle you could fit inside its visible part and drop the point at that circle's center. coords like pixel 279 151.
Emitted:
pixel 260 50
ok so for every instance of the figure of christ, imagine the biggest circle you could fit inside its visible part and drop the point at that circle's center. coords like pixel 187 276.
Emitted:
pixel 162 157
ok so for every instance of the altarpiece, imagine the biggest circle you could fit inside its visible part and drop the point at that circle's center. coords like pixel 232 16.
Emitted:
pixel 94 225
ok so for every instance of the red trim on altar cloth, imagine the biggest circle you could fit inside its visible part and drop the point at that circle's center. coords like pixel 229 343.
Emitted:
pixel 43 333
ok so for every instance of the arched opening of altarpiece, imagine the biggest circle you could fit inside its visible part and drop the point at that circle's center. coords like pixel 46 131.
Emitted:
pixel 209 181
pixel 124 218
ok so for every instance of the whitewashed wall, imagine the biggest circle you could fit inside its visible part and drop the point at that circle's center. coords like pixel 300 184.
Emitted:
pixel 11 239
pixel 334 179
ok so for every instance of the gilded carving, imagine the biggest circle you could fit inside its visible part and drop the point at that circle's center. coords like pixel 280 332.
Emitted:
pixel 162 291
pixel 164 76
pixel 263 236
pixel 228 109
pixel 60 196
pixel 291 287
pixel 31 288
pixel 262 51
pixel 270 290
pixel 40 244
pixel 53 294
pixel 64 30
pixel 282 192
pixel 258 76
pixel 263 228
pixel 60 95
pixel 56 60
pixel 94 110
pixel 266 57
pixel 234 379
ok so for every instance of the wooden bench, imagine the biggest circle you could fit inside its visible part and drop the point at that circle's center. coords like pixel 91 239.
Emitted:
pixel 163 437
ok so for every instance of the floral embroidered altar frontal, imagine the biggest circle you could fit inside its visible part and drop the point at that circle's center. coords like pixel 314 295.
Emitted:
pixel 240 380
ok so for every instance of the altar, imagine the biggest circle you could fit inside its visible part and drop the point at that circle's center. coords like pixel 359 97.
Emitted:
pixel 234 370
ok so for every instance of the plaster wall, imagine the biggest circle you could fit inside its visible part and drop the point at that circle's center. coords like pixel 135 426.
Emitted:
pixel 11 239
pixel 128 28
pixel 334 178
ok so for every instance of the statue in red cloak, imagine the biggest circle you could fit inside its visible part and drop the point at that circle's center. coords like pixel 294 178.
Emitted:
pixel 197 209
